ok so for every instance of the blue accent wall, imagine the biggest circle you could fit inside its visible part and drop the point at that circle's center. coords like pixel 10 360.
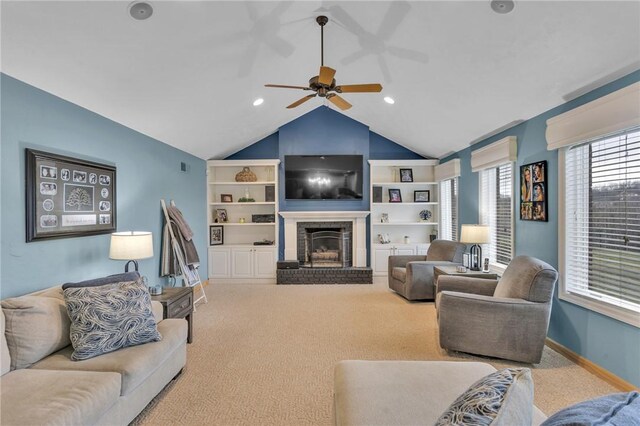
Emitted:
pixel 147 170
pixel 612 344
pixel 324 131
pixel 381 148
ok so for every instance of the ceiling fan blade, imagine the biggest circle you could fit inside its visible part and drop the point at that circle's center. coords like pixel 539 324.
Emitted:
pixel 284 86
pixel 338 101
pixel 326 76
pixel 301 101
pixel 359 88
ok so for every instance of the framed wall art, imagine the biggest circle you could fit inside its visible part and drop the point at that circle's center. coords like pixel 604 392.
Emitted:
pixel 216 235
pixel 68 197
pixel 533 192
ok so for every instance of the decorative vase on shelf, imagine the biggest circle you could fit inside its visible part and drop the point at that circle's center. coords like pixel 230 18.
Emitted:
pixel 246 175
pixel 425 215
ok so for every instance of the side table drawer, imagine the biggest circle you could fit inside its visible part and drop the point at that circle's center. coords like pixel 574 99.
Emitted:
pixel 180 307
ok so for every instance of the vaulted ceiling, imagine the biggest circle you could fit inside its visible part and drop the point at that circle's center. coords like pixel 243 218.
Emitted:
pixel 188 75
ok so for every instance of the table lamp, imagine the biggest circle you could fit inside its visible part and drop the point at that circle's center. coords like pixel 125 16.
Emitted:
pixel 131 246
pixel 476 235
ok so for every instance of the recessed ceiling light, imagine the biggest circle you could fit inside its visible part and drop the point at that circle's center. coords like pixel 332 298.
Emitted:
pixel 389 100
pixel 140 10
pixel 258 101
pixel 502 6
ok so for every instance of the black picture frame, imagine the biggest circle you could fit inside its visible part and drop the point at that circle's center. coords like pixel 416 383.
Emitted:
pixel 216 235
pixel 270 193
pixel 406 175
pixel 422 196
pixel 68 197
pixel 533 192
pixel 395 196
pixel 226 198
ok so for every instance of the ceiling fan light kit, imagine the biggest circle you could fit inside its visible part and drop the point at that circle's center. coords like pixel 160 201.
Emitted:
pixel 324 84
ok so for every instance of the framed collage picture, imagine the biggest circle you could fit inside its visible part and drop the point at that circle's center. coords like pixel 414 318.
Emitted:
pixel 533 192
pixel 68 197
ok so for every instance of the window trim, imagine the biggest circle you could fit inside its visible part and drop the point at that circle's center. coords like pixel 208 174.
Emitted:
pixel 608 309
pixel 453 182
pixel 497 267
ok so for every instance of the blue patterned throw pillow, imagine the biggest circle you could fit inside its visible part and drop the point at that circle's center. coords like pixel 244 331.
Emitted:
pixel 501 398
pixel 109 317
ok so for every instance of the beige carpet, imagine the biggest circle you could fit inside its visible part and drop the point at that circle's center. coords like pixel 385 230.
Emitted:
pixel 264 354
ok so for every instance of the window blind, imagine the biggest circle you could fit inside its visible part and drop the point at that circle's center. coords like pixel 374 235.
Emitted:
pixel 449 209
pixel 602 233
pixel 496 207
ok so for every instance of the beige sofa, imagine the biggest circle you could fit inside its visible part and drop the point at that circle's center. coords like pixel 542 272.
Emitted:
pixel 41 385
pixel 403 392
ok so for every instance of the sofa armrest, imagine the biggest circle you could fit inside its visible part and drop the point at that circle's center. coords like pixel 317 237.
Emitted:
pixel 472 285
pixel 156 307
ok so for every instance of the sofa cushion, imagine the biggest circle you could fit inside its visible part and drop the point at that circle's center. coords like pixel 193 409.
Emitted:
pixel 134 363
pixel 501 398
pixel 614 409
pixel 5 357
pixel 43 397
pixel 36 326
pixel 109 317
pixel 111 279
pixel 399 273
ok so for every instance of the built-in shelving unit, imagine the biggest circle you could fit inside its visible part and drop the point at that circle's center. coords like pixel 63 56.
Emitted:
pixel 403 217
pixel 238 258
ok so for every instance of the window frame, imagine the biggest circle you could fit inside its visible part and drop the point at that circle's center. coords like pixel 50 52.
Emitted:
pixel 453 184
pixel 493 266
pixel 596 304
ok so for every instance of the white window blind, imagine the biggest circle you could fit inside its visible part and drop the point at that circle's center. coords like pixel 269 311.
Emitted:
pixel 602 215
pixel 496 210
pixel 449 209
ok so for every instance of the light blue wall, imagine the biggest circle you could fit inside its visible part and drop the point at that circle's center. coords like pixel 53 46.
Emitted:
pixel 609 343
pixel 324 131
pixel 147 170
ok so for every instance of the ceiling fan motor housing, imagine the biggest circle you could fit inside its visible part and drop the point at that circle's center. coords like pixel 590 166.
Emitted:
pixel 322 89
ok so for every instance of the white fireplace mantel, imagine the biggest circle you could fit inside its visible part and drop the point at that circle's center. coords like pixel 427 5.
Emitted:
pixel 357 218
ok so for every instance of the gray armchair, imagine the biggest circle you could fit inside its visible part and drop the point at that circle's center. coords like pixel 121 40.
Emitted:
pixel 412 276
pixel 507 319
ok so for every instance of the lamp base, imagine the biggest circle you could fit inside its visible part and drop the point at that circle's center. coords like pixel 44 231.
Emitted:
pixel 475 260
pixel 135 264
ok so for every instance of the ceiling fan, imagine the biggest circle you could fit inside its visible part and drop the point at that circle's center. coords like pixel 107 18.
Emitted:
pixel 324 85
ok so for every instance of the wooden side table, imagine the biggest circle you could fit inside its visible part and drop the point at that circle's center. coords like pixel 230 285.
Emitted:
pixel 177 302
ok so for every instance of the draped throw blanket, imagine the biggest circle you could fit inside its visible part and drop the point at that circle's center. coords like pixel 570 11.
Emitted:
pixel 184 239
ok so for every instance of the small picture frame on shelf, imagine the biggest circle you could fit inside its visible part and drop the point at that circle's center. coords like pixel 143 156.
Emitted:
pixel 423 196
pixel 395 196
pixel 384 218
pixel 270 193
pixel 377 194
pixel 226 198
pixel 406 175
pixel 221 215
pixel 216 235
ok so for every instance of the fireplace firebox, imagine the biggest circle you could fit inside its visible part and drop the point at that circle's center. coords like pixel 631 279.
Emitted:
pixel 325 244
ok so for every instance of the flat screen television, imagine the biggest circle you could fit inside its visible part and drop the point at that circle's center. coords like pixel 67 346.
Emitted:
pixel 323 177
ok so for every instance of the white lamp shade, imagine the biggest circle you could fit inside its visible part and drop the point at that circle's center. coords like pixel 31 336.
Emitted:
pixel 475 234
pixel 131 245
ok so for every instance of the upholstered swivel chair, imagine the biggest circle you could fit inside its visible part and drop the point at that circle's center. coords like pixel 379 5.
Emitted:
pixel 412 276
pixel 507 319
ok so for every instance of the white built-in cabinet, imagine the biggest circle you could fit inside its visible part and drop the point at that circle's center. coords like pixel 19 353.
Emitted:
pixel 237 259
pixel 403 217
